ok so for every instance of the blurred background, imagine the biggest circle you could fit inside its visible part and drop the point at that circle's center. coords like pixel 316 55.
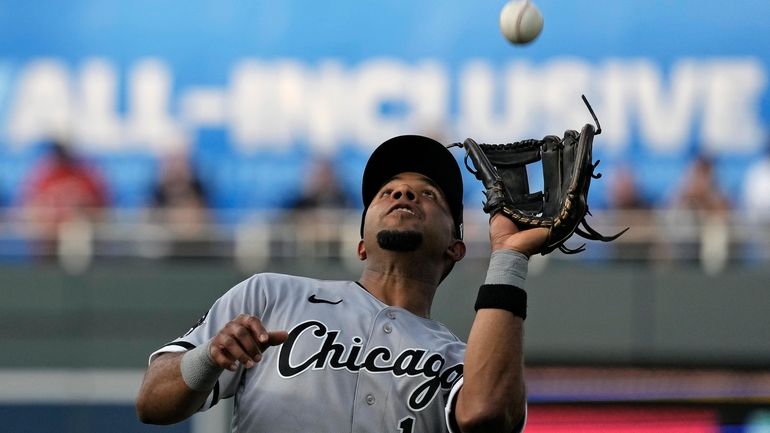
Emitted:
pixel 155 153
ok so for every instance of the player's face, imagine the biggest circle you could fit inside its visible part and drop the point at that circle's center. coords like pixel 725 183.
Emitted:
pixel 411 202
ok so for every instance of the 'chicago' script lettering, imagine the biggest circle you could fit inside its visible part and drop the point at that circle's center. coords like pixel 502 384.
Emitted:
pixel 336 355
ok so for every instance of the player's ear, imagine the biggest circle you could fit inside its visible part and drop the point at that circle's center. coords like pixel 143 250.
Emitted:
pixel 456 250
pixel 361 250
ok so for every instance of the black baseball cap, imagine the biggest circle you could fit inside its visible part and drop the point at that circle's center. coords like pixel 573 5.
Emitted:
pixel 417 154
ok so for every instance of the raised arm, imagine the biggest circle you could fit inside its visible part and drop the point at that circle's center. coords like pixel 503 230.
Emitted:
pixel 176 385
pixel 493 396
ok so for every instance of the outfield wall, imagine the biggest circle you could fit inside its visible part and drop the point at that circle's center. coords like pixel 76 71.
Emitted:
pixel 115 314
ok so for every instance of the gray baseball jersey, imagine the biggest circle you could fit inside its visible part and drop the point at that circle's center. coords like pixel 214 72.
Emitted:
pixel 350 364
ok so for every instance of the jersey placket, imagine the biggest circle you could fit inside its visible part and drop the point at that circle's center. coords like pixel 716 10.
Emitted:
pixel 374 388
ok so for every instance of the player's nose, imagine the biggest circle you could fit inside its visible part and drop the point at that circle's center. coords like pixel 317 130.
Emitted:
pixel 404 192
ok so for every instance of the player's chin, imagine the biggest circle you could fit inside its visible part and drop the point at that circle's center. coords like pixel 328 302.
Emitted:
pixel 400 240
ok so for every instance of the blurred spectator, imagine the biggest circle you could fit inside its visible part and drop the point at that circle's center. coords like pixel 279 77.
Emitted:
pixel 630 209
pixel 697 225
pixel 756 199
pixel 322 188
pixel 181 208
pixel 699 191
pixel 316 213
pixel 624 193
pixel 62 197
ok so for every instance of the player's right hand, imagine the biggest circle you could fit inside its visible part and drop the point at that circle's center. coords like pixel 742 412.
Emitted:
pixel 243 339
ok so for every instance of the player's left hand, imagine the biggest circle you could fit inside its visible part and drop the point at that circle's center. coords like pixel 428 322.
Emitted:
pixel 505 234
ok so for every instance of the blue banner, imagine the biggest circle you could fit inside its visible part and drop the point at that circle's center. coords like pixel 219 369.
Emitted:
pixel 267 83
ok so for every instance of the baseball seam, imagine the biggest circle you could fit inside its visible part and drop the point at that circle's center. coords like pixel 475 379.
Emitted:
pixel 519 19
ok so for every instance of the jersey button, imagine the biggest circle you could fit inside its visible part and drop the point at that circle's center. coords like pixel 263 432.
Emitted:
pixel 391 314
pixel 370 399
pixel 387 328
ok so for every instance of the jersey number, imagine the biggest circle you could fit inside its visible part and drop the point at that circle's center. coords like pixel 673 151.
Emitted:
pixel 406 425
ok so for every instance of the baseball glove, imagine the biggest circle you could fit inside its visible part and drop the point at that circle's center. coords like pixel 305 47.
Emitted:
pixel 568 169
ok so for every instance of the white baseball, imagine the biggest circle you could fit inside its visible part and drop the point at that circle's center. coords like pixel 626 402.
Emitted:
pixel 520 21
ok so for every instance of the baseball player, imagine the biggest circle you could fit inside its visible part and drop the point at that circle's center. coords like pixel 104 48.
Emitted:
pixel 306 355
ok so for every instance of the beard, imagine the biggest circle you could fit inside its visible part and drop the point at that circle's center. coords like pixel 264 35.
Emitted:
pixel 395 240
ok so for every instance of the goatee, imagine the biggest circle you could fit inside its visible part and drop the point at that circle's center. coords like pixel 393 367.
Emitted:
pixel 397 240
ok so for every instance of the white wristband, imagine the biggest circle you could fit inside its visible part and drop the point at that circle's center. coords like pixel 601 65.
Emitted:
pixel 507 267
pixel 198 370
